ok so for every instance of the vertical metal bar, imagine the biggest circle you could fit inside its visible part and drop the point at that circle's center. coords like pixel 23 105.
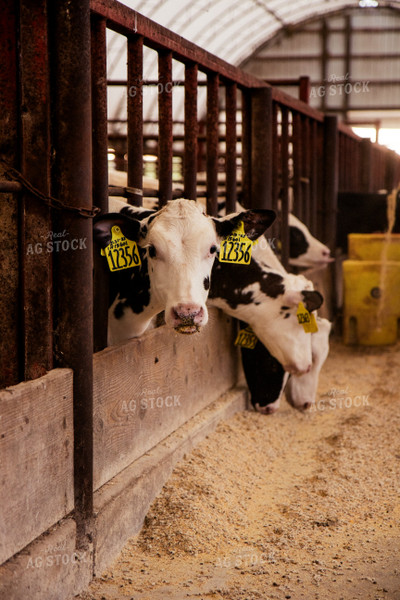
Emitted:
pixel 331 178
pixel 165 132
pixel 191 132
pixel 246 148
pixel 297 140
pixel 306 170
pixel 285 187
pixel 304 89
pixel 212 143
pixel 320 232
pixel 135 118
pixel 231 139
pixel 9 256
pixel 366 166
pixel 275 182
pixel 35 219
pixel 261 148
pixel 99 171
pixel 314 167
pixel 69 27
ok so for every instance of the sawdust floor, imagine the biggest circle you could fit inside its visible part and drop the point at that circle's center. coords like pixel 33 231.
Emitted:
pixel 300 506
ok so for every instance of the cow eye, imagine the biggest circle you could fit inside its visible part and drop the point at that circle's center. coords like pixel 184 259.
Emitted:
pixel 213 249
pixel 152 251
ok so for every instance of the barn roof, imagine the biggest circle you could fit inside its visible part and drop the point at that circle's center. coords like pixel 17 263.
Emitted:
pixel 234 29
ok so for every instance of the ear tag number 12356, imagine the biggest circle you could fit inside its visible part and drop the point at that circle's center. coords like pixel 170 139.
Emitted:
pixel 121 253
pixel 236 248
pixel 306 319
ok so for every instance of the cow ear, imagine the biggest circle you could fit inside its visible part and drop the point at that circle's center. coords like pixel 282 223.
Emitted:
pixel 255 222
pixel 312 299
pixel 102 228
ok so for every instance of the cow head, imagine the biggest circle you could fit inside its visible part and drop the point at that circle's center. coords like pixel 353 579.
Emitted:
pixel 304 249
pixel 180 244
pixel 301 391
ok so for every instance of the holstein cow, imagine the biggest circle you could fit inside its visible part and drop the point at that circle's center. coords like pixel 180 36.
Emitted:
pixel 177 246
pixel 304 249
pixel 267 378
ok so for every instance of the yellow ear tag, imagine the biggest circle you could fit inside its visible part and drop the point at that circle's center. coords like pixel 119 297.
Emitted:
pixel 246 338
pixel 306 319
pixel 236 248
pixel 121 253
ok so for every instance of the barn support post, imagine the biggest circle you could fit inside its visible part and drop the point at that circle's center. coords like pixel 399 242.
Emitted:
pixel 366 166
pixel 230 152
pixel 275 183
pixel 165 126
pixel 99 171
pixel 35 219
pixel 135 119
pixel 297 145
pixel 261 148
pixel 70 30
pixel 212 143
pixel 285 187
pixel 9 256
pixel 191 132
pixel 331 180
pixel 304 88
pixel 246 148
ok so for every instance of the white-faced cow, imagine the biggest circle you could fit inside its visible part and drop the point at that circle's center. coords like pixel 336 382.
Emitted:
pixel 304 249
pixel 178 245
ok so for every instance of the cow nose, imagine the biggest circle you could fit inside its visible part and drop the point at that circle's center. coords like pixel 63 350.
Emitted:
pixel 187 312
pixel 326 253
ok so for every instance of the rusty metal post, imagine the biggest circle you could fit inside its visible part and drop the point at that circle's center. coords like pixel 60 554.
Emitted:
pixel 297 145
pixel 69 27
pixel 9 256
pixel 304 89
pixel 306 170
pixel 331 179
pixel 212 143
pixel 246 148
pixel 366 166
pixel 230 141
pixel 36 228
pixel 274 231
pixel 135 119
pixel 285 187
pixel 99 171
pixel 165 131
pixel 191 132
pixel 314 166
pixel 261 148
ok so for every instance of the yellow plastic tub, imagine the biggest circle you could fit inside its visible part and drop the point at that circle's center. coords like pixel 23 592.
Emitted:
pixel 371 246
pixel 371 310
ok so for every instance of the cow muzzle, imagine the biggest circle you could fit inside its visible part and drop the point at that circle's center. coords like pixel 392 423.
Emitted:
pixel 188 318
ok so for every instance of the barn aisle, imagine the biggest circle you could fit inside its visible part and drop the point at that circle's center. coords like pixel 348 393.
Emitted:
pixel 285 506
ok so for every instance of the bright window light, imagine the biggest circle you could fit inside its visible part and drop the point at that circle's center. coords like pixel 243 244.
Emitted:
pixel 387 137
pixel 368 3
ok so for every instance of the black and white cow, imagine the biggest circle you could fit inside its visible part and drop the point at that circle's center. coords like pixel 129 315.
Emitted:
pixel 266 377
pixel 267 380
pixel 178 245
pixel 267 299
pixel 304 249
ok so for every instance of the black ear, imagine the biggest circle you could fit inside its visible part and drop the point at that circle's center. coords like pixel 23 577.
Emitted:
pixel 312 300
pixel 255 222
pixel 102 228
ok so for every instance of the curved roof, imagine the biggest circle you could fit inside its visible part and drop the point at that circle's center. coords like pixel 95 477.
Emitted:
pixel 231 29
pixel 234 29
